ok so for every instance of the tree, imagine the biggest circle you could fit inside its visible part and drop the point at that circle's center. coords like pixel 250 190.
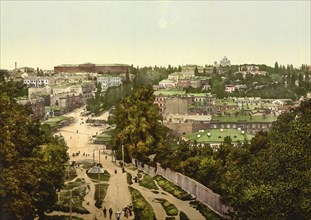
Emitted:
pixel 276 66
pixel 274 180
pixel 214 70
pixel 3 75
pixel 138 125
pixel 196 71
pixel 179 68
pixel 32 161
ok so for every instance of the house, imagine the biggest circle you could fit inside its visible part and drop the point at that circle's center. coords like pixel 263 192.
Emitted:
pixel 229 88
pixel 167 84
pixel 109 81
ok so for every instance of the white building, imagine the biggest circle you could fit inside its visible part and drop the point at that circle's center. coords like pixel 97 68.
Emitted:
pixel 167 84
pixel 225 62
pixel 37 81
pixel 229 88
pixel 109 81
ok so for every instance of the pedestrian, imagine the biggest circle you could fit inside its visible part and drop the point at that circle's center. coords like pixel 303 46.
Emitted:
pixel 115 171
pixel 110 212
pixel 105 212
pixel 125 211
pixel 130 208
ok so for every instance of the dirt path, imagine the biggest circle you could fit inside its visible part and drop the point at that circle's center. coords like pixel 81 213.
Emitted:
pixel 118 196
pixel 184 206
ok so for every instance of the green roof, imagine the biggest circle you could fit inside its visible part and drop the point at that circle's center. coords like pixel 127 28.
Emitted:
pixel 169 92
pixel 218 135
pixel 104 137
pixel 198 94
pixel 233 118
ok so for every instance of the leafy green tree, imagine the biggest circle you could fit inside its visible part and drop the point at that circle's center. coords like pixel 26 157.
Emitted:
pixel 138 125
pixel 3 74
pixel 31 161
pixel 196 71
pixel 274 181
pixel 276 66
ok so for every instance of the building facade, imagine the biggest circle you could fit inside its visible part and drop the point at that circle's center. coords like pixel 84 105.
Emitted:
pixel 92 68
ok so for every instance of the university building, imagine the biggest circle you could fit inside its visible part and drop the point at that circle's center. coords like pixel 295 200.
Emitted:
pixel 91 68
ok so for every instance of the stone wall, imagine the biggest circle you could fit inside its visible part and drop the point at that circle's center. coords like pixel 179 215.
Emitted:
pixel 196 189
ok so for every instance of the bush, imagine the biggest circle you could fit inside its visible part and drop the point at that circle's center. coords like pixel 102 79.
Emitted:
pixel 74 184
pixel 204 210
pixel 129 179
pixel 169 208
pixel 148 182
pixel 70 174
pixel 61 217
pixel 172 188
pixel 102 189
pixel 77 197
pixel 102 176
pixel 183 216
pixel 142 209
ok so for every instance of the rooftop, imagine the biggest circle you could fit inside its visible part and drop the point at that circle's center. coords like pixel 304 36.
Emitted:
pixel 255 118
pixel 218 135
pixel 169 92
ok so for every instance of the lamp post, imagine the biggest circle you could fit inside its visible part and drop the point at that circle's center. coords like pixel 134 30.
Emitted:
pixel 122 158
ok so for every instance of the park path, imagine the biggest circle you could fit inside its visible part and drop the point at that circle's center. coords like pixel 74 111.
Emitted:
pixel 181 205
pixel 118 196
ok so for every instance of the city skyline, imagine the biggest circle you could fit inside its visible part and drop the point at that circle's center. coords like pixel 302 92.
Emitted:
pixel 45 34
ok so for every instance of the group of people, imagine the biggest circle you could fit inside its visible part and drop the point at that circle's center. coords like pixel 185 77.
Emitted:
pixel 105 212
pixel 127 212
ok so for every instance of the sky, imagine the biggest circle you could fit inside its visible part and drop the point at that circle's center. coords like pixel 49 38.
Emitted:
pixel 147 33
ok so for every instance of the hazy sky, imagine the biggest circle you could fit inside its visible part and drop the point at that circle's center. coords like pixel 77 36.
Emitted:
pixel 48 33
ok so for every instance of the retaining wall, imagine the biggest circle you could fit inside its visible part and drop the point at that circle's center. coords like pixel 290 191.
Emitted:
pixel 196 189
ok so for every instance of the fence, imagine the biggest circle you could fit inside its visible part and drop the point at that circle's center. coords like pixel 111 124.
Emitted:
pixel 196 189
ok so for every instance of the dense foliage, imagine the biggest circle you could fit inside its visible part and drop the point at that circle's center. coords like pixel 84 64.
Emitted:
pixel 32 161
pixel 138 125
pixel 268 178
pixel 111 97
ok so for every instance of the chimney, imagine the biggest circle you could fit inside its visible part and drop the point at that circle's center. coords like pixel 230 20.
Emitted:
pixel 15 65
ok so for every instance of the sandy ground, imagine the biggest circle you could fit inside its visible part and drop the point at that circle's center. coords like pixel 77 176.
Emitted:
pixel 118 196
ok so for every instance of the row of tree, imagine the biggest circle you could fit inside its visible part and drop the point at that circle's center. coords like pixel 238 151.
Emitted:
pixel 266 178
pixel 32 161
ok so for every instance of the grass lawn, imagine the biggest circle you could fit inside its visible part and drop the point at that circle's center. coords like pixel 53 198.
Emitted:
pixel 141 207
pixel 100 193
pixel 71 185
pixel 129 178
pixel 172 188
pixel 78 194
pixel 70 174
pixel 205 211
pixel 102 176
pixel 61 217
pixel 183 216
pixel 148 182
pixel 169 208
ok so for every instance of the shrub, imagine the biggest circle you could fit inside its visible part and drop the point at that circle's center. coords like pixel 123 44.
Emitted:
pixel 204 210
pixel 148 182
pixel 172 188
pixel 100 193
pixel 169 208
pixel 183 216
pixel 141 207
pixel 129 178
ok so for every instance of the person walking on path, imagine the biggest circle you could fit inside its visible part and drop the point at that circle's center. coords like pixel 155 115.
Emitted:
pixel 105 212
pixel 110 212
